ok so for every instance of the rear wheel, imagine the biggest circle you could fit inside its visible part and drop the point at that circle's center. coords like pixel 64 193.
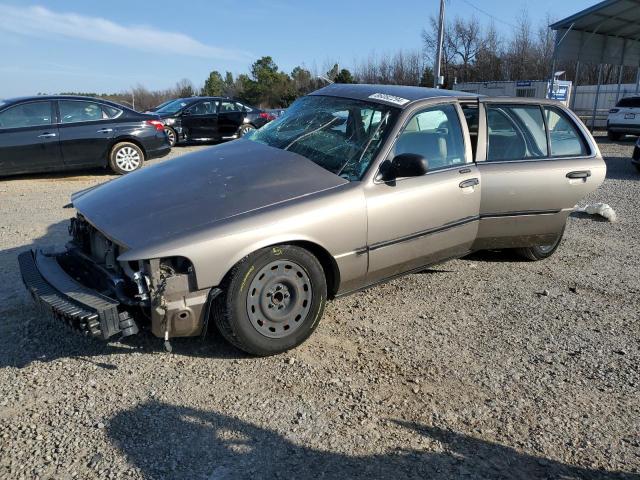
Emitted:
pixel 245 129
pixel 125 157
pixel 540 252
pixel 615 136
pixel 171 135
pixel 273 300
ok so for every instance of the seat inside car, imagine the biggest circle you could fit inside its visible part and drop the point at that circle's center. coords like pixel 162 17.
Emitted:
pixel 432 145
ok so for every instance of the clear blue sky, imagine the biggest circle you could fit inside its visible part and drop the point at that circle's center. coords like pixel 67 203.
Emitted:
pixel 107 46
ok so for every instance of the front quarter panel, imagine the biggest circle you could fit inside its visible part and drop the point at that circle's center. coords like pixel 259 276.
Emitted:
pixel 334 220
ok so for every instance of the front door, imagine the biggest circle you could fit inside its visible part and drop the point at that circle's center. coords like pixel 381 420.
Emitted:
pixel 200 121
pixel 86 132
pixel 418 221
pixel 28 139
pixel 538 166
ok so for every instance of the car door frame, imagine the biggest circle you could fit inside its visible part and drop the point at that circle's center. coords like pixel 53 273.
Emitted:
pixel 227 126
pixel 505 220
pixel 99 134
pixel 205 125
pixel 384 261
pixel 45 147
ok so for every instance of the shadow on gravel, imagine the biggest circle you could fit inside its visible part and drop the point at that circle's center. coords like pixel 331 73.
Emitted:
pixel 621 168
pixel 28 334
pixel 171 442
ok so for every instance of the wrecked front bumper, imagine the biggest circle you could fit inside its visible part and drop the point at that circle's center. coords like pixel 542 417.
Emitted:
pixel 83 309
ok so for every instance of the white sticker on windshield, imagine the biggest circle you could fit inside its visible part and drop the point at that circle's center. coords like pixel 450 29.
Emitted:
pixel 389 98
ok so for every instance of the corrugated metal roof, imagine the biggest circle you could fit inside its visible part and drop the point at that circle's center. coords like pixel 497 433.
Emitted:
pixel 608 32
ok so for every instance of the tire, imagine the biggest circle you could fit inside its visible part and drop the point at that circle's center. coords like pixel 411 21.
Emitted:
pixel 172 135
pixel 614 136
pixel 125 157
pixel 273 300
pixel 540 252
pixel 245 129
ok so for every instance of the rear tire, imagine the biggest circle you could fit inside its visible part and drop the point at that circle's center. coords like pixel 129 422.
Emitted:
pixel 125 157
pixel 245 129
pixel 171 135
pixel 273 300
pixel 540 252
pixel 614 136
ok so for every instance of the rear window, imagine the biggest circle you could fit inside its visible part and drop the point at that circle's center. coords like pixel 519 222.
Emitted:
pixel 629 102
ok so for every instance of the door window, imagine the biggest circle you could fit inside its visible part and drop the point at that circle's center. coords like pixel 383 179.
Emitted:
pixel 435 134
pixel 72 111
pixel 564 138
pixel 203 108
pixel 31 114
pixel 110 112
pixel 515 133
pixel 231 107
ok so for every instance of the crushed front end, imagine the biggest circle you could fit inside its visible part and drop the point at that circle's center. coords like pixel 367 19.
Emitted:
pixel 91 291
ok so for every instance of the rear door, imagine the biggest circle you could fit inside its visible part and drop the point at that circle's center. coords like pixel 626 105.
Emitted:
pixel 201 120
pixel 29 138
pixel 231 117
pixel 417 221
pixel 536 162
pixel 86 132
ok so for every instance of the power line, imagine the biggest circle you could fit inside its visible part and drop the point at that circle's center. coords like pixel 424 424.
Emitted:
pixel 484 12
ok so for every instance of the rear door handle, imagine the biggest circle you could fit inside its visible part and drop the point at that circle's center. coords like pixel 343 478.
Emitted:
pixel 469 183
pixel 579 174
pixel 105 130
pixel 47 135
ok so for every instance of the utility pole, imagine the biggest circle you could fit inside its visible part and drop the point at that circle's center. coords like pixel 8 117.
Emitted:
pixel 436 69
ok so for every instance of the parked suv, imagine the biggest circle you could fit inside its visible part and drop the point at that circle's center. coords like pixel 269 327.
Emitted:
pixel 353 185
pixel 624 119
pixel 197 119
pixel 54 133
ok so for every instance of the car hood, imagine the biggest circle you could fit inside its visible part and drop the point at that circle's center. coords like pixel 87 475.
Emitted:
pixel 190 193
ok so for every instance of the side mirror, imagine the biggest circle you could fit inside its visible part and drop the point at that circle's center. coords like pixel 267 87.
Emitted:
pixel 407 165
pixel 185 113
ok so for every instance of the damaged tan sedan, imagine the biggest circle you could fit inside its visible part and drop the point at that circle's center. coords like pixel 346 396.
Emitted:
pixel 353 185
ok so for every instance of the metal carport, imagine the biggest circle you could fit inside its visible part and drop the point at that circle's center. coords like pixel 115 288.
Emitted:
pixel 606 33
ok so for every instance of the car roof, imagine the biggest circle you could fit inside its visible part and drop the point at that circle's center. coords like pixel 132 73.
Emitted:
pixel 14 100
pixel 396 95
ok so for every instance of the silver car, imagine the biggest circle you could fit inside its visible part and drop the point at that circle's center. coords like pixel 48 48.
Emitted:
pixel 352 186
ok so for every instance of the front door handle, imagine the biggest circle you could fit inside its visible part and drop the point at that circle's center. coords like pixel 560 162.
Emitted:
pixel 579 174
pixel 105 130
pixel 472 182
pixel 47 135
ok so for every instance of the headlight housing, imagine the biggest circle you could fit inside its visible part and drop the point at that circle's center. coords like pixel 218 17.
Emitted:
pixel 169 121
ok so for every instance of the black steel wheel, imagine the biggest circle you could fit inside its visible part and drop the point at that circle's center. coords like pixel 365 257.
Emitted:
pixel 273 300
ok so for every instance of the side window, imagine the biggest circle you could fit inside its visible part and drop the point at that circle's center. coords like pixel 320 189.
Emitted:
pixel 229 107
pixel 515 132
pixel 564 138
pixel 109 112
pixel 72 111
pixel 26 115
pixel 435 134
pixel 203 108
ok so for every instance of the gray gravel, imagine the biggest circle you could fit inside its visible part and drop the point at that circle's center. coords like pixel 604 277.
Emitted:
pixel 485 367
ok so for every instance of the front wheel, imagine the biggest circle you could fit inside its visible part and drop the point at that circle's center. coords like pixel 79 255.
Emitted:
pixel 540 252
pixel 273 300
pixel 245 129
pixel 125 157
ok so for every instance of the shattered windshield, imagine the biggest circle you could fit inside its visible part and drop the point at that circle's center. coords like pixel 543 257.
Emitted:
pixel 339 134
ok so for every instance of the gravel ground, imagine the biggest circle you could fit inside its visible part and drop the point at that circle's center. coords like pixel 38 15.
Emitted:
pixel 484 367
